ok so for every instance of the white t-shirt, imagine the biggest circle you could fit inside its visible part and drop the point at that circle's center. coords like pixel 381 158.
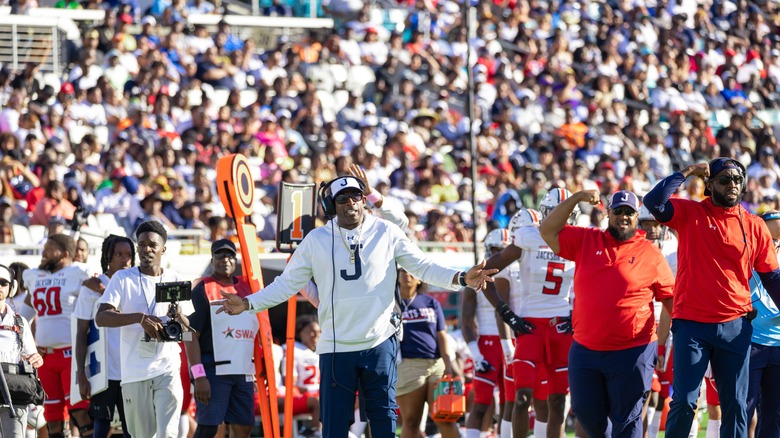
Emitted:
pixel 548 278
pixel 54 299
pixel 130 291
pixel 9 341
pixel 86 308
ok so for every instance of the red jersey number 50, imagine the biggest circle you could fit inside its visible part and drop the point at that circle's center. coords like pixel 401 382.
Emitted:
pixel 47 301
pixel 554 271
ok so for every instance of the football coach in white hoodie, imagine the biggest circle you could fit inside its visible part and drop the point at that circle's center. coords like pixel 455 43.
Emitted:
pixel 353 261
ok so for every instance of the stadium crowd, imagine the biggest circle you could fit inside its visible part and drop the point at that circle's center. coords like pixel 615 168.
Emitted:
pixel 575 94
pixel 578 94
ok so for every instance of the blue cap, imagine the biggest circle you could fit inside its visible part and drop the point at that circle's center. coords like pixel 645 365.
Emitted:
pixel 624 197
pixel 771 215
pixel 720 164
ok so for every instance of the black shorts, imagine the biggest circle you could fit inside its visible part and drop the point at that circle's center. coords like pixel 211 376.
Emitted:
pixel 102 404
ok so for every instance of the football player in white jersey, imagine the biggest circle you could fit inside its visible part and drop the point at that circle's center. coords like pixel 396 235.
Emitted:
pixel 543 321
pixel 53 290
pixel 480 331
pixel 663 377
pixel 306 372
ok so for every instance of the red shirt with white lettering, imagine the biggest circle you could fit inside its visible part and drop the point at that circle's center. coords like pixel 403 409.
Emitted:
pixel 614 287
pixel 719 247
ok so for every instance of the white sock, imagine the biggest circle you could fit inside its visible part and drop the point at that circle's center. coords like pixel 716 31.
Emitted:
pixel 650 414
pixel 653 423
pixel 694 427
pixel 473 433
pixel 358 427
pixel 713 429
pixel 506 429
pixel 184 425
pixel 540 429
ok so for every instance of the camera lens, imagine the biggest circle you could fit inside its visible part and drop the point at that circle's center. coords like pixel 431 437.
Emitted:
pixel 173 330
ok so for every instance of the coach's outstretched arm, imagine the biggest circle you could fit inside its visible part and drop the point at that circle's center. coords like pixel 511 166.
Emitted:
pixel 556 220
pixel 657 199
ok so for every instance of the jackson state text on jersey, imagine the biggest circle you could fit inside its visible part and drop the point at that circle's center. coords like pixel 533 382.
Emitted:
pixel 54 297
pixel 547 278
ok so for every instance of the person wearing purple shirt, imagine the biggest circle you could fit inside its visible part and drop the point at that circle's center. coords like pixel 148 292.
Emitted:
pixel 424 357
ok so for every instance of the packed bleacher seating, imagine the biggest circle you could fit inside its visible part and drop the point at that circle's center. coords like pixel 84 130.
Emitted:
pixel 578 93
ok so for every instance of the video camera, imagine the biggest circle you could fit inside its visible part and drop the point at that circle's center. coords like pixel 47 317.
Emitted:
pixel 173 292
pixel 80 217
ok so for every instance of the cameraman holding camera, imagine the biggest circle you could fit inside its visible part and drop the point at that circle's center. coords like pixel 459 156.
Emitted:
pixel 151 384
pixel 15 347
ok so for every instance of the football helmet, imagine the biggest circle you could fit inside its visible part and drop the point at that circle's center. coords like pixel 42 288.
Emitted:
pixel 645 215
pixel 524 218
pixel 552 199
pixel 497 240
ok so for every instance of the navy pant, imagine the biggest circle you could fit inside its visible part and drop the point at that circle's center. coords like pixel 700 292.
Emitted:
pixel 726 346
pixel 375 372
pixel 611 384
pixel 763 391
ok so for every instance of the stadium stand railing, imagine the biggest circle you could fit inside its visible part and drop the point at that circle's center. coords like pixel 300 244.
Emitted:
pixel 34 39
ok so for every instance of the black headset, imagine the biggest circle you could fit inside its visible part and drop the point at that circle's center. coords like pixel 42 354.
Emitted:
pixel 12 288
pixel 742 170
pixel 326 199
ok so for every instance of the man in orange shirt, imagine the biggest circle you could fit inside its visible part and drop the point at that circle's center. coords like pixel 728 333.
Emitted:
pixel 721 244
pixel 618 274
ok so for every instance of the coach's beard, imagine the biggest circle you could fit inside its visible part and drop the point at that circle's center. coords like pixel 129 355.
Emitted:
pixel 621 236
pixel 722 200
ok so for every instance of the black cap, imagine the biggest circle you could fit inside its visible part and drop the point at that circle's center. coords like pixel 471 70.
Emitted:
pixel 223 244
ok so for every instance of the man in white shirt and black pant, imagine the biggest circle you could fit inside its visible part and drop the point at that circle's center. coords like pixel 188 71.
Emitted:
pixel 151 384
pixel 358 347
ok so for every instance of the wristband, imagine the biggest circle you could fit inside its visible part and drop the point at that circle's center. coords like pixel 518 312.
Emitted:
pixel 143 316
pixel 476 355
pixel 374 196
pixel 462 279
pixel 661 350
pixel 198 371
pixel 507 346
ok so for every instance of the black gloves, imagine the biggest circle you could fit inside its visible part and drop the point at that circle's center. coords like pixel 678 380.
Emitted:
pixel 515 322
pixel 564 325
pixel 482 366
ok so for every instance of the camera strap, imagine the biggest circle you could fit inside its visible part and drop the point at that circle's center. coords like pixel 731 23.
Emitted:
pixel 149 307
pixel 18 328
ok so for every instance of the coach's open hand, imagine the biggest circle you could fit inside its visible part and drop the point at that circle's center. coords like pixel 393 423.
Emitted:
pixel 477 277
pixel 232 304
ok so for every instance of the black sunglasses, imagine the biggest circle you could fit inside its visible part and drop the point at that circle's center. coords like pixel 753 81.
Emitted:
pixel 4 283
pixel 623 211
pixel 724 180
pixel 344 198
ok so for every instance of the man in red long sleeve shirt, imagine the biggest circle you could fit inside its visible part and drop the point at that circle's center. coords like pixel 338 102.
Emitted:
pixel 720 245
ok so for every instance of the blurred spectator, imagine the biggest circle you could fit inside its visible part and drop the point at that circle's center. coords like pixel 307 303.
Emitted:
pixel 53 204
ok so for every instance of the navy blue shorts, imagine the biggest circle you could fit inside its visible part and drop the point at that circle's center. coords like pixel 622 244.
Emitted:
pixel 232 401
